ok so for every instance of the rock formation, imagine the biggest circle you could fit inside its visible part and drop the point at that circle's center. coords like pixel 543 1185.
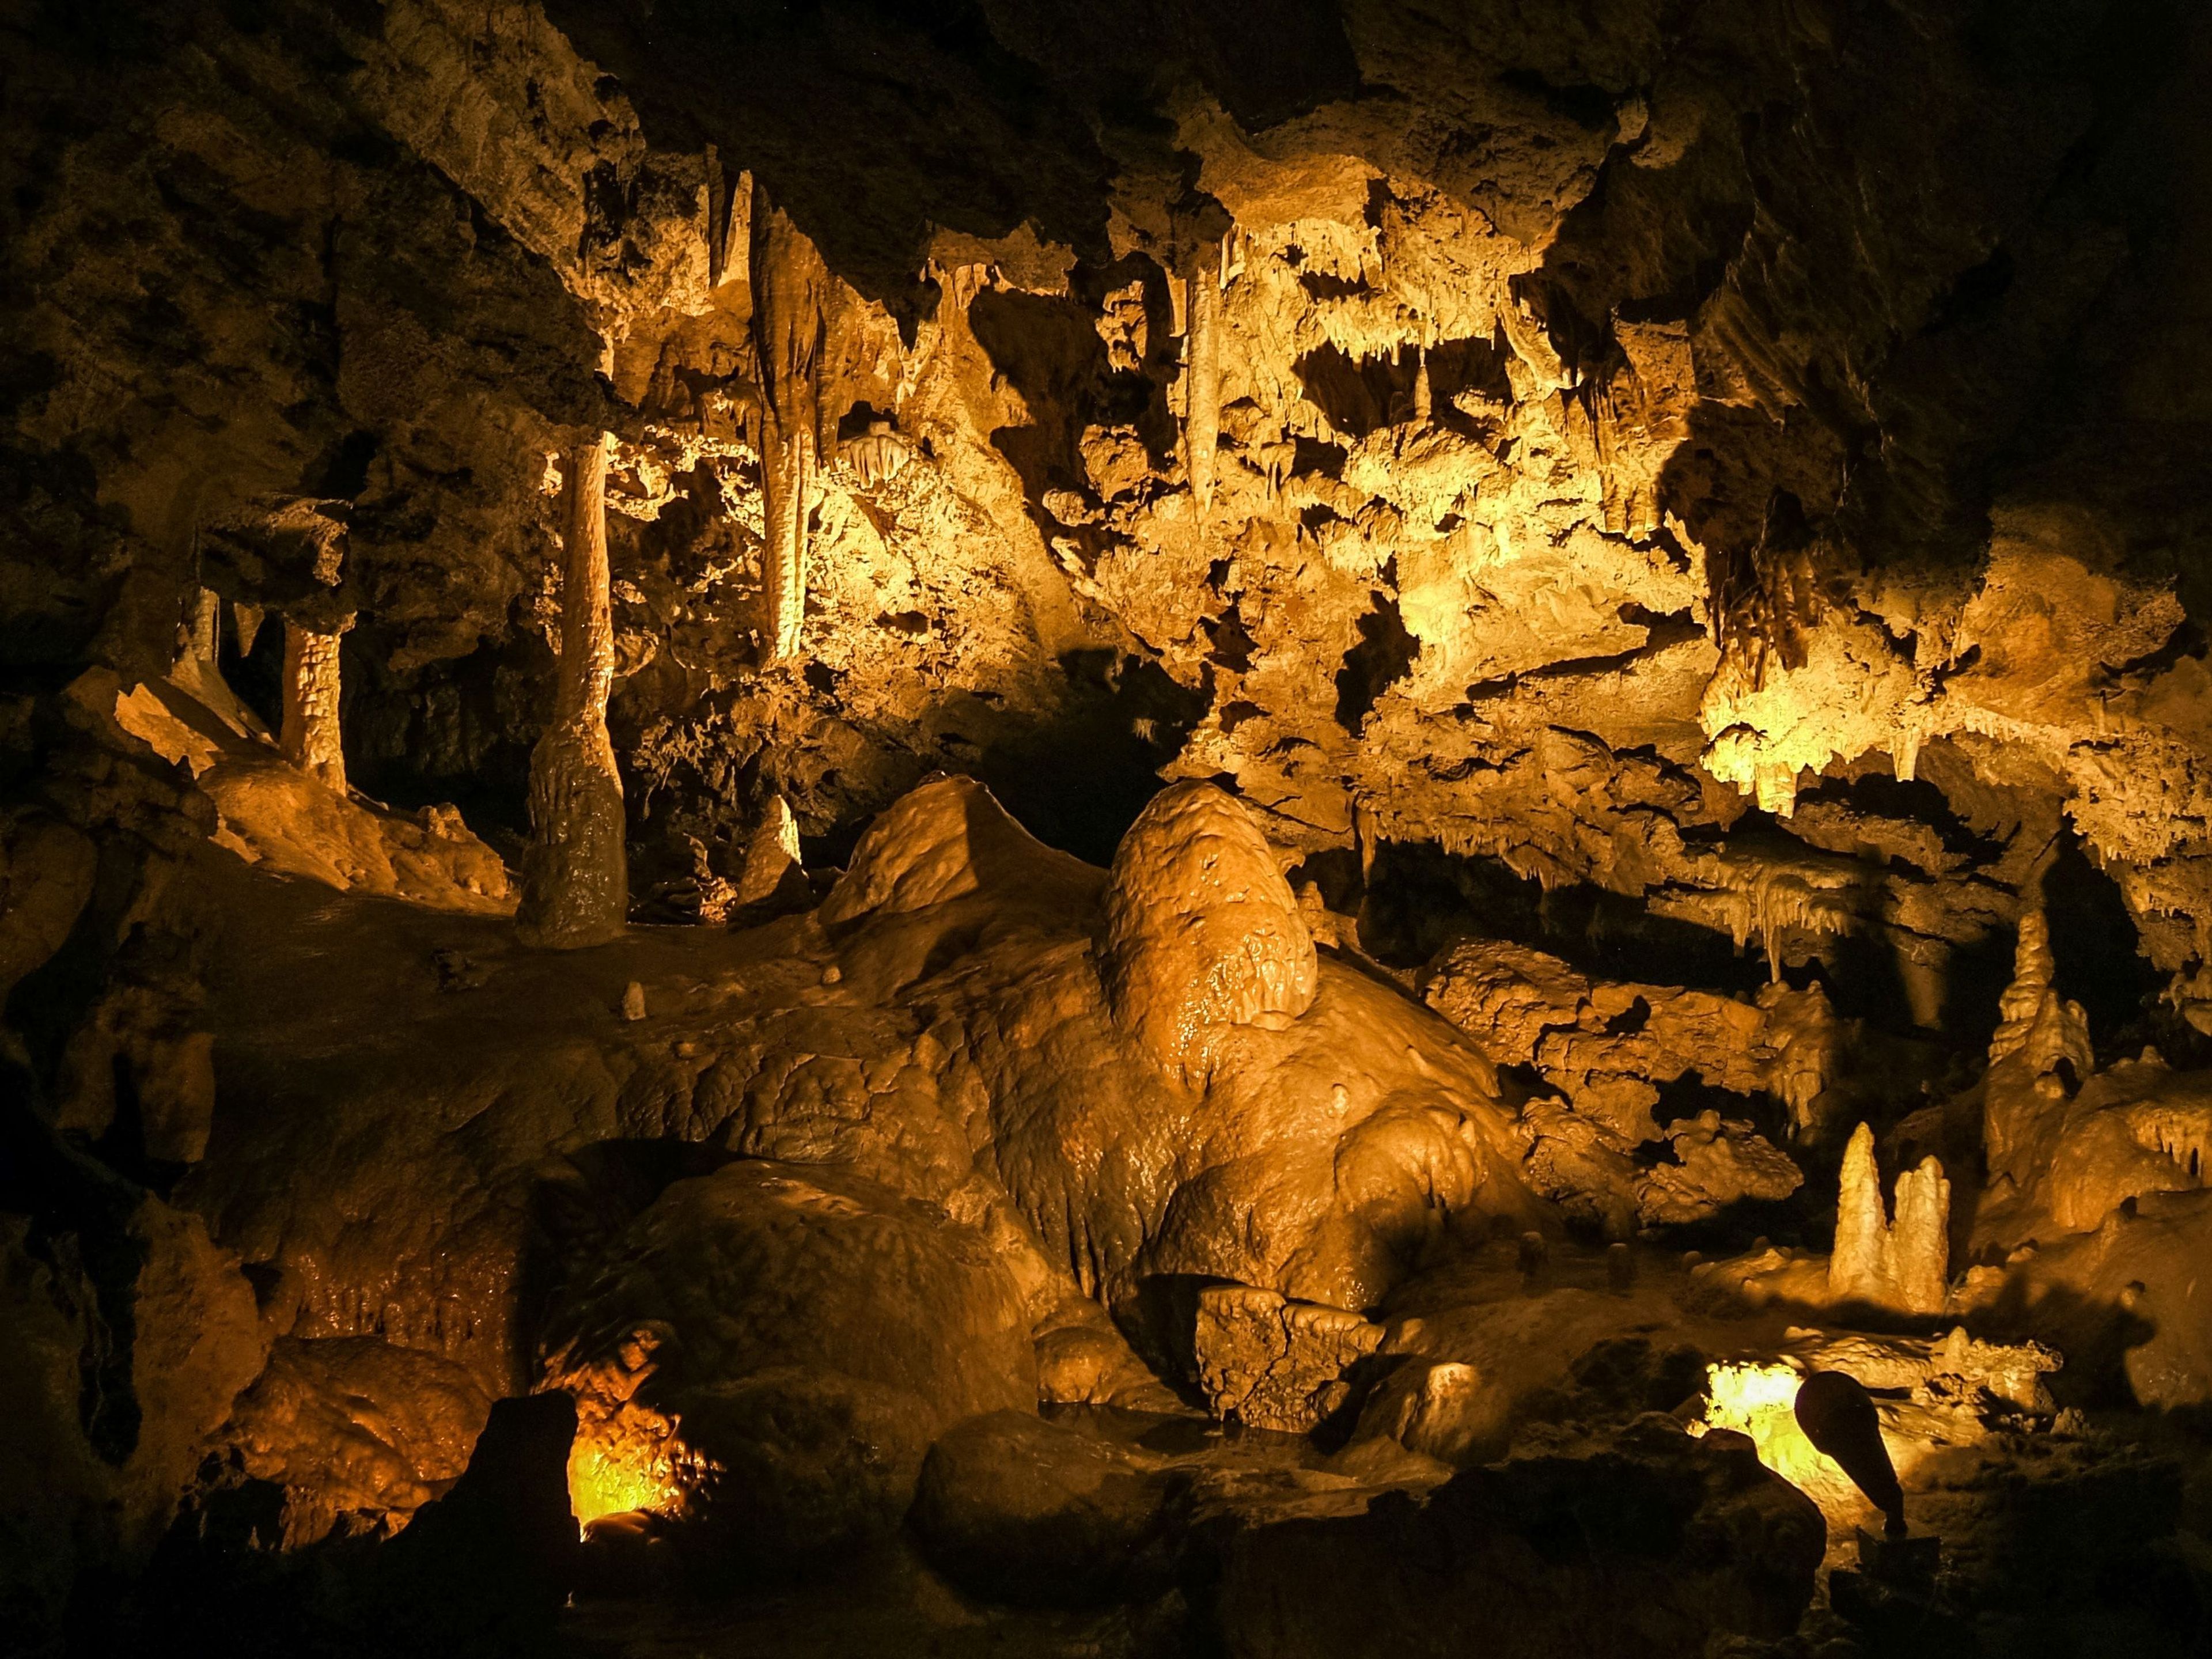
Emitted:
pixel 1201 931
pixel 575 882
pixel 1276 1364
pixel 1267 724
pixel 1903 1261
pixel 788 299
pixel 311 739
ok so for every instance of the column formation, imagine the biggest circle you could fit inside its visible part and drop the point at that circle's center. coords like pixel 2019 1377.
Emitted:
pixel 310 737
pixel 789 286
pixel 1202 389
pixel 575 878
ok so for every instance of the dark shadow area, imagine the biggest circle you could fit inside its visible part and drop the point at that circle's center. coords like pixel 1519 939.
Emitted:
pixel 868 123
pixel 1079 782
pixel 1419 898
pixel 580 1206
pixel 1358 395
pixel 2092 941
pixel 459 730
pixel 1050 351
pixel 257 676
pixel 1384 655
pixel 1296 59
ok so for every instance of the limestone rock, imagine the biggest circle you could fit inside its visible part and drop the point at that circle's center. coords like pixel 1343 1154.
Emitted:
pixel 1271 1363
pixel 311 738
pixel 358 1432
pixel 1083 1360
pixel 943 841
pixel 1583 1165
pixel 273 814
pixel 1440 1409
pixel 770 868
pixel 1604 1045
pixel 1717 1162
pixel 1026 1511
pixel 576 879
pixel 2038 1055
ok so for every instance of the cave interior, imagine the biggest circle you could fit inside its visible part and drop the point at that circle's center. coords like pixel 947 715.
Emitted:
pixel 1126 829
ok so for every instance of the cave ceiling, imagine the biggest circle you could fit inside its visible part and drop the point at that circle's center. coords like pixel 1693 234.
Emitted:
pixel 1616 422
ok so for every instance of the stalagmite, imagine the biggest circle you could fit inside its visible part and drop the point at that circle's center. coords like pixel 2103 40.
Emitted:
pixel 1202 393
pixel 1902 1265
pixel 771 853
pixel 203 632
pixel 2040 1051
pixel 311 739
pixel 789 287
pixel 575 880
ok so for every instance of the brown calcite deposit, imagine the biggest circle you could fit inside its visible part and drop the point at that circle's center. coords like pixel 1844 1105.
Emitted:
pixel 1125 828
pixel 1202 931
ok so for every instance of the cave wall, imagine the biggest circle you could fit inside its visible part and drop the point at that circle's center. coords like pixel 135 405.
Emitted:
pixel 1733 460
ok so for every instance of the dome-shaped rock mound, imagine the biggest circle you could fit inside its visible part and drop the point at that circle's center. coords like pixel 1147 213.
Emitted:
pixel 1202 931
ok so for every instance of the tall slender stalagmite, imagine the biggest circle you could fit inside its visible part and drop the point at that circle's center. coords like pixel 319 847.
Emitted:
pixel 1202 388
pixel 789 287
pixel 575 878
pixel 311 739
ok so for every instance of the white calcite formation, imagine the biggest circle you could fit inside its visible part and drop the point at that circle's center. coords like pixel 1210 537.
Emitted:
pixel 1900 1261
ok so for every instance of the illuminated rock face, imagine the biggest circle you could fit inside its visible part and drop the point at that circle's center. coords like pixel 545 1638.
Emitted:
pixel 1900 1261
pixel 1275 1364
pixel 311 736
pixel 576 881
pixel 788 284
pixel 808 1335
pixel 1551 530
pixel 1201 931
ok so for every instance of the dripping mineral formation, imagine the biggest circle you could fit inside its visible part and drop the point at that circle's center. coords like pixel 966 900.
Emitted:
pixel 1108 828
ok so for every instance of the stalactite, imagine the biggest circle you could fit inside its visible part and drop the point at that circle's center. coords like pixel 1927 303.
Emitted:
pixel 311 739
pixel 789 288
pixel 575 878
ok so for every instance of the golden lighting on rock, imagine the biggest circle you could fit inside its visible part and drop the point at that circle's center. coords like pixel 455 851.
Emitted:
pixel 1758 1399
pixel 630 1459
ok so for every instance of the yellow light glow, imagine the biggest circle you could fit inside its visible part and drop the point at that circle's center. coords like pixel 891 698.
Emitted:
pixel 630 1459
pixel 1760 1400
